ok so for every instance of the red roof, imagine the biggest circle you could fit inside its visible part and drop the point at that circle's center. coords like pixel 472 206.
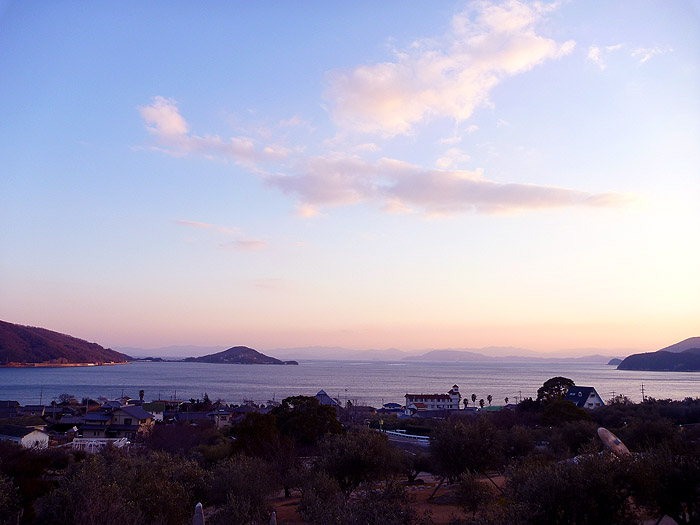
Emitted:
pixel 429 396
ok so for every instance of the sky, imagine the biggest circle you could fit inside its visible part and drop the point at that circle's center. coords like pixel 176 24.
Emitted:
pixel 357 174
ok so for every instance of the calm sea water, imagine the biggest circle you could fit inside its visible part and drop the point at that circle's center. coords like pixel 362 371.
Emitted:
pixel 370 383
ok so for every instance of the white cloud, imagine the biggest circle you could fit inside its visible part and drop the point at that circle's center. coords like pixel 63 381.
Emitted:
pixel 451 157
pixel 164 122
pixel 239 243
pixel 401 187
pixel 645 53
pixel 446 77
pixel 243 245
pixel 207 226
pixel 598 55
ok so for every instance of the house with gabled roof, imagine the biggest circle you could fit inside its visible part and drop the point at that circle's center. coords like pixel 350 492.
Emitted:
pixel 28 437
pixel 325 399
pixel 123 422
pixel 584 397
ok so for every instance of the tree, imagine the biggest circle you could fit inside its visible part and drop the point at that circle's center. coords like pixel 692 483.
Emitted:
pixel 558 411
pixel 465 446
pixel 506 399
pixel 358 456
pixel 472 493
pixel 64 399
pixel 466 402
pixel 481 403
pixel 141 394
pixel 668 483
pixel 592 490
pixel 489 398
pixel 474 399
pixel 240 486
pixel 305 420
pixel 9 500
pixel 554 388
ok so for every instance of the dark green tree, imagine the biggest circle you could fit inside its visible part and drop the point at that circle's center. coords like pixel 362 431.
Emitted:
pixel 305 420
pixel 358 456
pixel 554 388
pixel 459 446
pixel 489 398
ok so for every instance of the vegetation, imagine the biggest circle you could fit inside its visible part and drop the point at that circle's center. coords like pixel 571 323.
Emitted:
pixel 28 344
pixel 554 473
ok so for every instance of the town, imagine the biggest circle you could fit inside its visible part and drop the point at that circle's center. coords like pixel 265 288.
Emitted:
pixel 436 458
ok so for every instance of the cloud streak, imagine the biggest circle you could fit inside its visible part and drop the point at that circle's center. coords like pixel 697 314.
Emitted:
pixel 447 77
pixel 400 187
pixel 172 136
pixel 239 244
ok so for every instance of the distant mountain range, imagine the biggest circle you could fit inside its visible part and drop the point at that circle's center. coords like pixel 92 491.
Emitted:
pixel 239 355
pixel 679 357
pixel 337 353
pixel 30 346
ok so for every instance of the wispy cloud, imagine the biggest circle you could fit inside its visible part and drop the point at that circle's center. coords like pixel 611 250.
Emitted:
pixel 206 226
pixel 645 53
pixel 243 245
pixel 448 76
pixel 598 55
pixel 240 243
pixel 401 187
pixel 172 135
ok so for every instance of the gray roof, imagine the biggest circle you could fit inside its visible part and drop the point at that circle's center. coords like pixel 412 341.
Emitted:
pixel 16 430
pixel 325 399
pixel 135 412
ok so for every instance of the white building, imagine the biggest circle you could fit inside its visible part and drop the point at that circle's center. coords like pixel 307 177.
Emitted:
pixel 419 402
pixel 28 437
pixel 584 397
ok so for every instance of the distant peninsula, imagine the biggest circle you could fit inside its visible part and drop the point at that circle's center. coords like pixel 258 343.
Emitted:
pixel 240 355
pixel 29 346
pixel 680 357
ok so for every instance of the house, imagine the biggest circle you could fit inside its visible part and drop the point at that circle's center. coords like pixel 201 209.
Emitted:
pixel 325 399
pixel 9 409
pixel 32 410
pixel 391 408
pixel 28 437
pixel 157 408
pixel 418 402
pixel 124 422
pixel 222 417
pixel 584 397
pixel 129 420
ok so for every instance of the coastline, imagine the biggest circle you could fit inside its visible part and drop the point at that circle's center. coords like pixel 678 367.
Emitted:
pixel 59 365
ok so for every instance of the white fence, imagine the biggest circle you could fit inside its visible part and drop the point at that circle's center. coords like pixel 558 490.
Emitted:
pixel 422 439
pixel 96 444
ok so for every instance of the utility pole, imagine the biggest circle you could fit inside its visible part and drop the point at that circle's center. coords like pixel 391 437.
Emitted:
pixel 643 398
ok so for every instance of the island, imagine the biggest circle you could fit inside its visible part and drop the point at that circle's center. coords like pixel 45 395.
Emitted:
pixel 240 355
pixel 30 346
pixel 680 357
pixel 615 361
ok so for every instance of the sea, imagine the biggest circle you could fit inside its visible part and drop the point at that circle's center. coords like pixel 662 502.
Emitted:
pixel 362 382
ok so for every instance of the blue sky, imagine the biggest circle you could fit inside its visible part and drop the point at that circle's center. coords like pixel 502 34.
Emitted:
pixel 407 174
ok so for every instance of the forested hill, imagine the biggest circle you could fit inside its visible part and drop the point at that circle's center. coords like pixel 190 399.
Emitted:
pixel 240 355
pixel 685 361
pixel 28 344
